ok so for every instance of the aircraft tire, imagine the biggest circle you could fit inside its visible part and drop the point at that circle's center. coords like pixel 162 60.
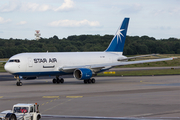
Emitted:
pixel 54 80
pixel 62 80
pixel 19 83
pixel 89 81
pixel 85 81
pixel 93 80
pixel 58 81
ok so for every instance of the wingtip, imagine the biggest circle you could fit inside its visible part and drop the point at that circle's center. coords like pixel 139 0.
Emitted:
pixel 175 58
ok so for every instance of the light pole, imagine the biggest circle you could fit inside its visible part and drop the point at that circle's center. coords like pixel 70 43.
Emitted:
pixel 37 34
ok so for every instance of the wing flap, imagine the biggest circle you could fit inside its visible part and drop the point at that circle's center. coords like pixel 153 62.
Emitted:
pixel 137 57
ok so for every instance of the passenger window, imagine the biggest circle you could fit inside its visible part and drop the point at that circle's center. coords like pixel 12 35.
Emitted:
pixel 31 109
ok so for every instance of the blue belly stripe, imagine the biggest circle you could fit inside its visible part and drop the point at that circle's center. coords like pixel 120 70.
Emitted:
pixel 49 73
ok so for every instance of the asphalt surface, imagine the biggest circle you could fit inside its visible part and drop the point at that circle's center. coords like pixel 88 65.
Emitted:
pixel 123 98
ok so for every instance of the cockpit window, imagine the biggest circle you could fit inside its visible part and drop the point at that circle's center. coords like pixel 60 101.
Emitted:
pixel 14 60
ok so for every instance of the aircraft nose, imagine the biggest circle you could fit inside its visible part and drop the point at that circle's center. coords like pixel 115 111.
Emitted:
pixel 7 67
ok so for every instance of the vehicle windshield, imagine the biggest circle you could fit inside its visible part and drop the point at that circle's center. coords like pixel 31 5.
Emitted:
pixel 14 60
pixel 20 109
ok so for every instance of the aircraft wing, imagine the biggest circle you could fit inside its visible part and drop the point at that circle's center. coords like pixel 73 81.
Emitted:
pixel 141 61
pixel 137 57
pixel 98 67
pixel 3 61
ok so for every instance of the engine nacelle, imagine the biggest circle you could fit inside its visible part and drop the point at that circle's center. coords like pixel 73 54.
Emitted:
pixel 82 73
pixel 29 78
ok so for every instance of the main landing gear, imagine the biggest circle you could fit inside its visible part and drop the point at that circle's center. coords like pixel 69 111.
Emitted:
pixel 19 83
pixel 89 81
pixel 57 80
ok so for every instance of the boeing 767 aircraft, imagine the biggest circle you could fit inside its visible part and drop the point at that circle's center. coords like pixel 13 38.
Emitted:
pixel 83 65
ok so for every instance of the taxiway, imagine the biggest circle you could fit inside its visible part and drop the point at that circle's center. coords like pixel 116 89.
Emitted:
pixel 129 97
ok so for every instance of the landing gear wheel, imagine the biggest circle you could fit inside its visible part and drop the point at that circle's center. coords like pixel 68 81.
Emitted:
pixel 58 81
pixel 89 81
pixel 85 81
pixel 62 80
pixel 54 81
pixel 93 80
pixel 19 83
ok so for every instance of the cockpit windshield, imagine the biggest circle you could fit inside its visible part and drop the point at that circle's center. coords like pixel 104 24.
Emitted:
pixel 14 60
pixel 20 109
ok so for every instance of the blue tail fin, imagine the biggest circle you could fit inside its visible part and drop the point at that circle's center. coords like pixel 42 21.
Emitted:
pixel 117 43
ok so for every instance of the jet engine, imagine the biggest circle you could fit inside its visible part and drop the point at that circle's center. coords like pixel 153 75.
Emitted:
pixel 83 73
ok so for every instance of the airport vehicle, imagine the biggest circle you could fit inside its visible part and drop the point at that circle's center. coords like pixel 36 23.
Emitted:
pixel 29 111
pixel 83 65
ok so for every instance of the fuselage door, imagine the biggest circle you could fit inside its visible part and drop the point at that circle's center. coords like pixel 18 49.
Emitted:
pixel 30 62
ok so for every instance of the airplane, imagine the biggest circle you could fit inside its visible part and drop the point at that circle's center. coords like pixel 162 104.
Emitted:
pixel 83 65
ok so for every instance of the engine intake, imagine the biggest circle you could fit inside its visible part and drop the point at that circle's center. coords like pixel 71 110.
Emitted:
pixel 82 73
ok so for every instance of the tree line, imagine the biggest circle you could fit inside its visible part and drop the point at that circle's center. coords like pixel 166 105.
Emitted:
pixel 133 45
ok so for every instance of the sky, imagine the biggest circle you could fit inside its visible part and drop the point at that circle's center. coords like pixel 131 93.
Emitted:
pixel 155 18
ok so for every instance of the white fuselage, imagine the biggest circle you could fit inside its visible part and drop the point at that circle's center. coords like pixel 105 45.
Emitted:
pixel 42 64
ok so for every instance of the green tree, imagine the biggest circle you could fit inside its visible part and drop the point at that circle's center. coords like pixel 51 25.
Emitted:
pixel 1 55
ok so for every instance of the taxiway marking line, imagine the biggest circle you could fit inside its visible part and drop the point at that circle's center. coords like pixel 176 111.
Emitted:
pixel 57 97
pixel 50 97
pixel 153 114
pixel 74 96
pixel 56 105
pixel 1 96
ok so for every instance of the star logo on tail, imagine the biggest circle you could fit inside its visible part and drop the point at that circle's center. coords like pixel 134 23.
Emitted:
pixel 119 33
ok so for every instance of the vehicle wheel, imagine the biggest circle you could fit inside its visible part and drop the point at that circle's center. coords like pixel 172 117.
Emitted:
pixel 93 80
pixel 54 81
pixel 62 80
pixel 38 117
pixel 85 81
pixel 13 117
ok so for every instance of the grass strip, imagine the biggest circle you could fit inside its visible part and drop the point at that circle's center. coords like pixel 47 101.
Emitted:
pixel 144 72
pixel 2 67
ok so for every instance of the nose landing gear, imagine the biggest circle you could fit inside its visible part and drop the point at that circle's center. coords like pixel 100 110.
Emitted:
pixel 19 83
